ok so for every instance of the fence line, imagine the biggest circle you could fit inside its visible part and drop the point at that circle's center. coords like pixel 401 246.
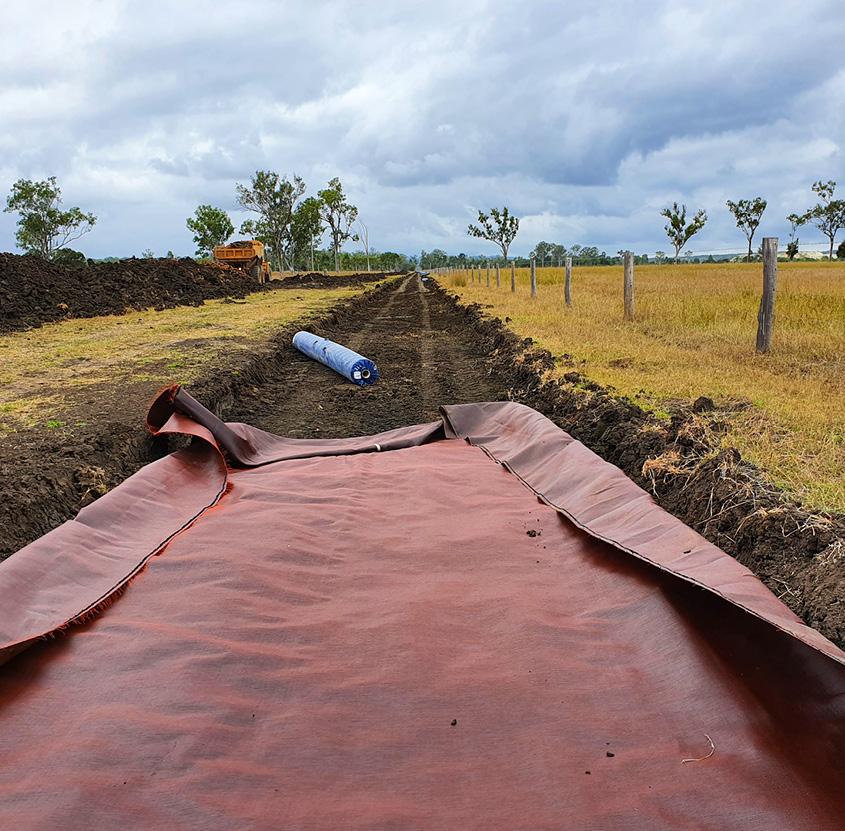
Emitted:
pixel 765 314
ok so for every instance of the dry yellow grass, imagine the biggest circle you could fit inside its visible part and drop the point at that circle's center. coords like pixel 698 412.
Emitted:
pixel 694 335
pixel 39 368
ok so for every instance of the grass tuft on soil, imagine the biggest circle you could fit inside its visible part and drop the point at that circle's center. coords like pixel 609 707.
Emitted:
pixel 694 336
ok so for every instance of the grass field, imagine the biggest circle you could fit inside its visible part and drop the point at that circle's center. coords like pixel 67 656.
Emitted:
pixel 41 370
pixel 694 335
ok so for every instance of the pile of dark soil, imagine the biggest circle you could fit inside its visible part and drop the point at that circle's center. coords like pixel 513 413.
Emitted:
pixel 316 280
pixel 34 291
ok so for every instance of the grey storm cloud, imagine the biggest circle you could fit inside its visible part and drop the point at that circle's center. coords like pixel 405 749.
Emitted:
pixel 584 118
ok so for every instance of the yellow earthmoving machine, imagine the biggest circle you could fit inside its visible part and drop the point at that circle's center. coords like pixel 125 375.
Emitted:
pixel 247 255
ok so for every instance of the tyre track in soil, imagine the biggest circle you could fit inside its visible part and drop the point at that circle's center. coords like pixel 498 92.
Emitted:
pixel 426 356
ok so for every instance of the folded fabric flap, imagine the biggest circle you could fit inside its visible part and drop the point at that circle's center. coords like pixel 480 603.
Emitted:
pixel 601 500
pixel 80 565
pixel 247 446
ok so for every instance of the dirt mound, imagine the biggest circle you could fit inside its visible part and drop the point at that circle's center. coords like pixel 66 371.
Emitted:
pixel 316 280
pixel 34 291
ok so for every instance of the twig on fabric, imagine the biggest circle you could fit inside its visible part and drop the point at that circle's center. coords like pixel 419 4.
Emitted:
pixel 702 758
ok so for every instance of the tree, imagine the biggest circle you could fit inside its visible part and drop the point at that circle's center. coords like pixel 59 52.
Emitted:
pixel 43 227
pixel 70 258
pixel 795 222
pixel 338 214
pixel 840 252
pixel 660 257
pixel 498 227
pixel 558 253
pixel 541 251
pixel 274 199
pixel 748 213
pixel 148 254
pixel 436 258
pixel 211 227
pixel 829 215
pixel 306 229
pixel 677 229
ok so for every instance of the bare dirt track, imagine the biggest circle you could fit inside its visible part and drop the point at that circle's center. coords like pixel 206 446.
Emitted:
pixel 430 351
pixel 425 354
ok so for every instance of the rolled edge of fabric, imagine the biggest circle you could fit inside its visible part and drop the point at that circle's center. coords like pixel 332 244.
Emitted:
pixel 346 362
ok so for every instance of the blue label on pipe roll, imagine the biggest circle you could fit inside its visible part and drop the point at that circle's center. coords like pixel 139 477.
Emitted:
pixel 352 366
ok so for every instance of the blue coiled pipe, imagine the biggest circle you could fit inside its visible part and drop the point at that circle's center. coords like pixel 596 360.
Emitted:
pixel 352 366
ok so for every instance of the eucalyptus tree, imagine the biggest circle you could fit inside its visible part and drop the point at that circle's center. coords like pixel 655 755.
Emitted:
pixel 273 198
pixel 499 227
pixel 795 222
pixel 558 253
pixel 338 214
pixel 306 230
pixel 748 213
pixel 679 231
pixel 43 226
pixel 211 227
pixel 541 251
pixel 829 214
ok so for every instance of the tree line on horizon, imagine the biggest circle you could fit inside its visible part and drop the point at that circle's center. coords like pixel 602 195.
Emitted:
pixel 292 228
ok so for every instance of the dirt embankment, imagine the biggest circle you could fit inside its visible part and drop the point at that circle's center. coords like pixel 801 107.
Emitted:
pixel 317 280
pixel 35 291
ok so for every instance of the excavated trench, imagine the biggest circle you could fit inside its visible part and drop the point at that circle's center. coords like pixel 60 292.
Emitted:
pixel 431 350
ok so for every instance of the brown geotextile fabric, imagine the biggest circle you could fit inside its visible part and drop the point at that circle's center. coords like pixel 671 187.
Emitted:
pixel 474 623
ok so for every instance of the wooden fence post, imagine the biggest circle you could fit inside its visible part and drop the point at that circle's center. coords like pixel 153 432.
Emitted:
pixel 628 261
pixel 513 276
pixel 533 277
pixel 567 284
pixel 766 314
pixel 488 274
pixel 498 277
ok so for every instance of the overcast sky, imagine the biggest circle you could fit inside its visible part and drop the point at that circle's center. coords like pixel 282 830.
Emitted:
pixel 585 118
